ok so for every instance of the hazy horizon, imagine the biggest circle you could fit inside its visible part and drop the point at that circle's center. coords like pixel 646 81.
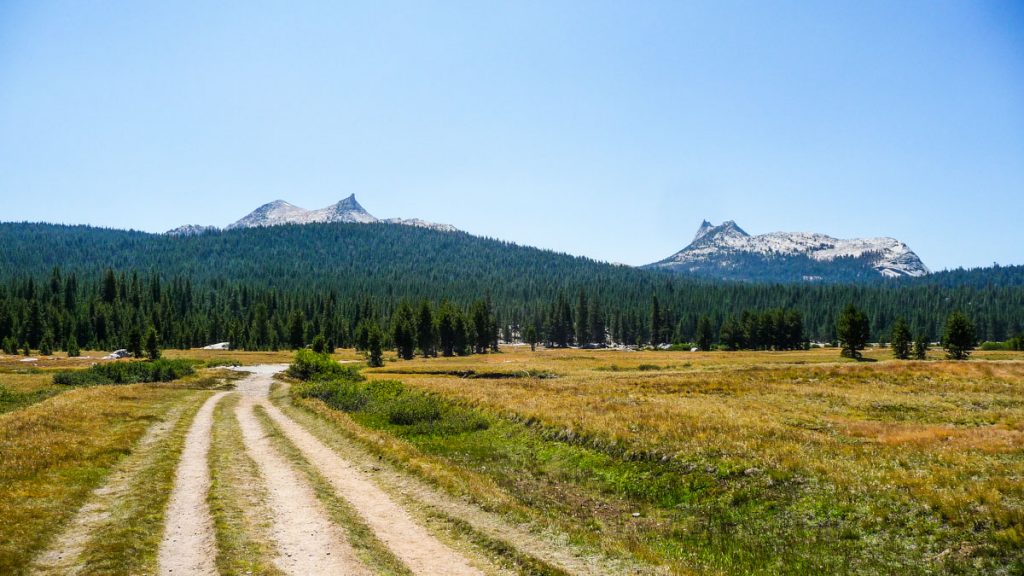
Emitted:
pixel 596 129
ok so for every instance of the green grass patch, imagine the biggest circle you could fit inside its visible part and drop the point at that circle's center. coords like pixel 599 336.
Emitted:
pixel 162 370
pixel 11 400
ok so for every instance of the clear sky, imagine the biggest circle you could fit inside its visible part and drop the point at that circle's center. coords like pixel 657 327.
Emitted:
pixel 605 129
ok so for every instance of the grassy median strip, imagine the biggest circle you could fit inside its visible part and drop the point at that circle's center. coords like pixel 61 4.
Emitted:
pixel 372 552
pixel 56 452
pixel 128 541
pixel 238 499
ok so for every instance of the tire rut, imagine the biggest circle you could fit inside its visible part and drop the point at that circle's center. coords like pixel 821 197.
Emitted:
pixel 417 548
pixel 189 544
pixel 307 541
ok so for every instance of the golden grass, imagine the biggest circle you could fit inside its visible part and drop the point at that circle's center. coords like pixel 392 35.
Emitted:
pixel 250 358
pixel 937 436
pixel 55 452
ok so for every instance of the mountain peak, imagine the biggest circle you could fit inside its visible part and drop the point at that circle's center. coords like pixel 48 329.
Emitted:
pixel 727 228
pixel 727 251
pixel 346 210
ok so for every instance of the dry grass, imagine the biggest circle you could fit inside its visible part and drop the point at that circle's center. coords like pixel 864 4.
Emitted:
pixel 251 358
pixel 928 453
pixel 55 452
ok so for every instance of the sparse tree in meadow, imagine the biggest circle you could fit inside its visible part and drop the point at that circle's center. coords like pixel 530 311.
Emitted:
pixel 853 331
pixel 72 345
pixel 152 345
pixel 446 316
pixel 531 337
pixel 921 347
pixel 296 330
pixel 704 334
pixel 403 331
pixel 901 340
pixel 374 347
pixel 46 344
pixel 959 336
pixel 426 330
pixel 320 344
pixel 135 342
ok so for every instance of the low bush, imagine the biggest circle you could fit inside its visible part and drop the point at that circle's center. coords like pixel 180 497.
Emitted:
pixel 389 402
pixel 410 409
pixel 162 370
pixel 309 365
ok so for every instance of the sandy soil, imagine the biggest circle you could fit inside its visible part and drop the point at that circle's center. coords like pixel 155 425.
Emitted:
pixel 189 545
pixel 307 541
pixel 419 550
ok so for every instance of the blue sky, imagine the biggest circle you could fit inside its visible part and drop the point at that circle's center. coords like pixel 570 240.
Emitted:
pixel 605 129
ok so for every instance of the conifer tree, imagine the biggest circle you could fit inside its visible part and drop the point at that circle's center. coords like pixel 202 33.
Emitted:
pixel 296 330
pixel 730 335
pixel 704 334
pixel 72 346
pixel 446 328
pixel 921 347
pixel 319 344
pixel 374 347
pixel 901 341
pixel 135 342
pixel 656 319
pixel 530 336
pixel 597 323
pixel 426 331
pixel 152 345
pixel 959 336
pixel 46 344
pixel 403 331
pixel 853 331
pixel 582 319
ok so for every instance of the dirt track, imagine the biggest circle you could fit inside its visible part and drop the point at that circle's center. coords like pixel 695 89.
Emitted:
pixel 302 537
pixel 189 546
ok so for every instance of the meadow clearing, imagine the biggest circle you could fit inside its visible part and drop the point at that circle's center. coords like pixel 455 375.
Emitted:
pixel 637 462
pixel 746 462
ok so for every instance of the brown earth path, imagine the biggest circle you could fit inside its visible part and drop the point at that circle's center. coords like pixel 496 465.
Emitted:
pixel 189 545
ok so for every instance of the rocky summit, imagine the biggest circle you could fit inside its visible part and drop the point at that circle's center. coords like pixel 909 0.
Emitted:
pixel 726 251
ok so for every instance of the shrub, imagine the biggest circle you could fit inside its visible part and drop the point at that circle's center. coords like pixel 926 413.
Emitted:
pixel 409 409
pixel 126 373
pixel 390 402
pixel 309 365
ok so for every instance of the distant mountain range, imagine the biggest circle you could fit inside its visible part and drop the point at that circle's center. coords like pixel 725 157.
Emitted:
pixel 279 212
pixel 727 252
pixel 724 252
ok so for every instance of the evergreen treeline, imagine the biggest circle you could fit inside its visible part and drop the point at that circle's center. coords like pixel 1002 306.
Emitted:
pixel 263 287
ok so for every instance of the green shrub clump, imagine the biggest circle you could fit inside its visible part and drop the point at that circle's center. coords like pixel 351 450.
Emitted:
pixel 379 402
pixel 310 365
pixel 162 370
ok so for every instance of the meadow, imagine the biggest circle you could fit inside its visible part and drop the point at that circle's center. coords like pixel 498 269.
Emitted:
pixel 797 462
pixel 668 462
